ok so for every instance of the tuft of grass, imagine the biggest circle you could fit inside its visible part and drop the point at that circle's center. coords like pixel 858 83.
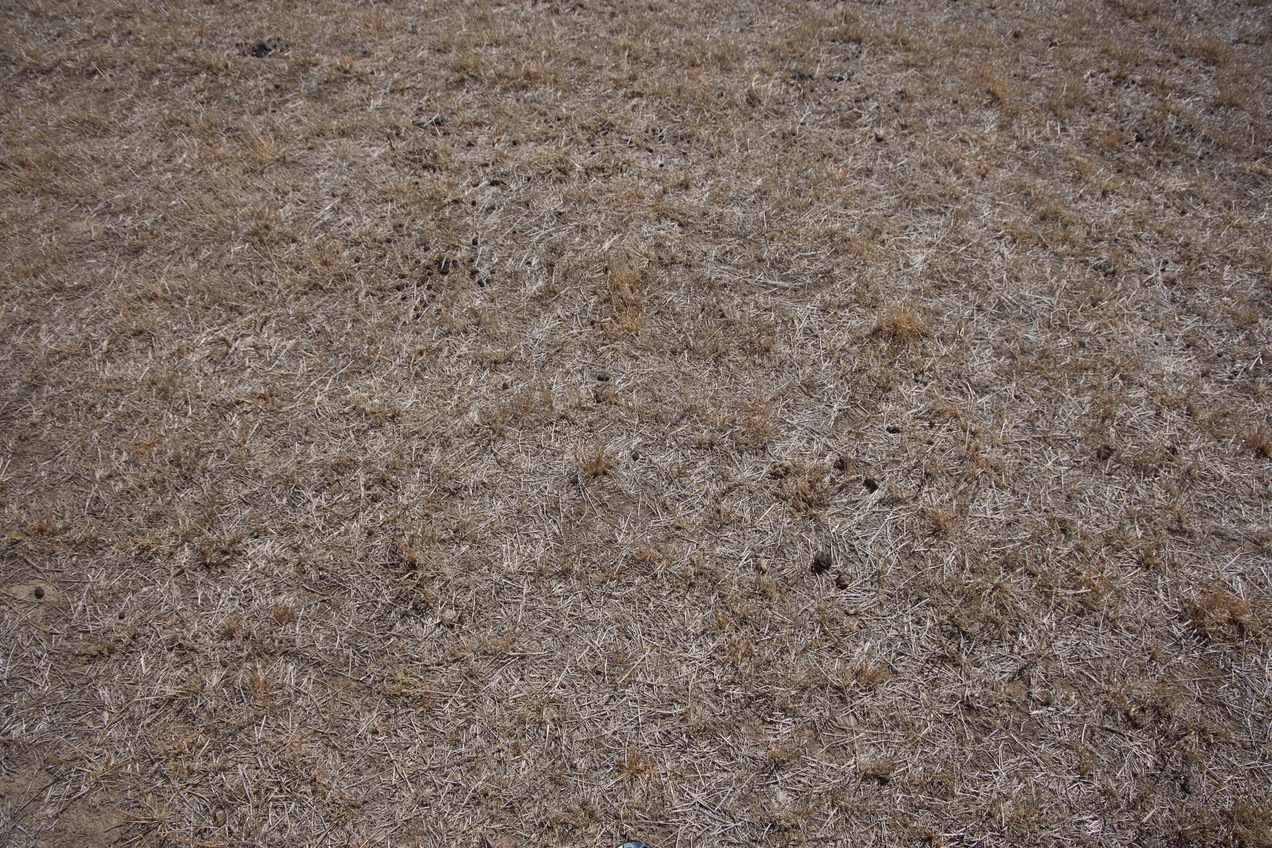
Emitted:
pixel 1226 619
pixel 595 463
pixel 1259 438
pixel 806 489
pixel 900 326
pixel 628 277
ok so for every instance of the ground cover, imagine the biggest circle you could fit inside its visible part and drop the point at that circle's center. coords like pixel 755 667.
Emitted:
pixel 715 424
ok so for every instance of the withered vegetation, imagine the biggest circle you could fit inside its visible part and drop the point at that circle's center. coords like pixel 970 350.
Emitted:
pixel 725 423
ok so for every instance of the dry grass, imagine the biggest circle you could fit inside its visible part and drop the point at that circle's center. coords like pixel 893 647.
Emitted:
pixel 736 423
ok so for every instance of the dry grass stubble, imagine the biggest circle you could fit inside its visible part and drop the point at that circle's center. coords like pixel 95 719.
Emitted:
pixel 459 424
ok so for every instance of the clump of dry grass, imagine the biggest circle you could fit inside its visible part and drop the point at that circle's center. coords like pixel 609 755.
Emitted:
pixel 727 424
pixel 1227 619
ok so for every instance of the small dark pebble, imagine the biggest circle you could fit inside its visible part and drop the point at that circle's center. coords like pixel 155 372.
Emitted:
pixel 821 562
pixel 39 593
pixel 121 615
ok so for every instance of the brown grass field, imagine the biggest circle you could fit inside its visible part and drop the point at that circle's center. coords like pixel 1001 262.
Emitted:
pixel 739 423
